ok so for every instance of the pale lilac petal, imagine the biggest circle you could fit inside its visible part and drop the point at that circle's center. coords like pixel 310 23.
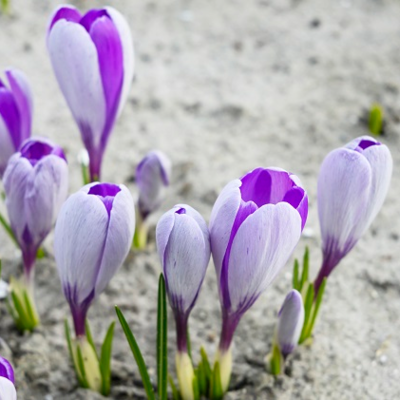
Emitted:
pixel 66 12
pixel 76 66
pixel 221 222
pixel 290 322
pixel 22 93
pixel 260 249
pixel 7 148
pixel 128 53
pixel 119 237
pixel 79 240
pixel 344 185
pixel 7 389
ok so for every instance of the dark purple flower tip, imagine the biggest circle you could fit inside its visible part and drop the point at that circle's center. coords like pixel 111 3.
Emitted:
pixel 362 143
pixel 92 16
pixel 6 370
pixel 36 149
pixel 180 211
pixel 106 192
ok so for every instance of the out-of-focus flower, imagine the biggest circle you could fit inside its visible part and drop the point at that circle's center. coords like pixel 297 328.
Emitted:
pixel 290 322
pixel 255 225
pixel 7 388
pixel 16 108
pixel 352 186
pixel 184 247
pixel 92 238
pixel 92 58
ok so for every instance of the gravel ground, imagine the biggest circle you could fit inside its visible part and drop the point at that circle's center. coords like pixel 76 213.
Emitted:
pixel 223 87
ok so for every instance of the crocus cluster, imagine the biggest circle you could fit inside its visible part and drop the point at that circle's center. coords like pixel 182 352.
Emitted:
pixel 7 388
pixel 92 58
pixel 16 109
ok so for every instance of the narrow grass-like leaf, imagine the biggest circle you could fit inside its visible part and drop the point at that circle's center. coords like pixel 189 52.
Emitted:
pixel 308 305
pixel 81 367
pixel 105 361
pixel 317 305
pixel 12 311
pixel 206 363
pixel 89 337
pixel 296 283
pixel 216 385
pixel 71 352
pixel 175 391
pixel 8 229
pixel 31 321
pixel 162 360
pixel 41 253
pixel 189 343
pixel 85 173
pixel 304 275
pixel 375 121
pixel 22 317
pixel 275 362
pixel 196 391
pixel 201 379
pixel 137 354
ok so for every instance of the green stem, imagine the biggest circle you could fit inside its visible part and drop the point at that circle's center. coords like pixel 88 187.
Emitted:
pixel 8 229
pixel 141 233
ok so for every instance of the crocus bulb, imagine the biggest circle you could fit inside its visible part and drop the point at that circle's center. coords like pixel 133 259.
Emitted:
pixel 255 225
pixel 290 322
pixel 152 178
pixel 36 185
pixel 92 238
pixel 7 388
pixel 93 61
pixel 352 186
pixel 16 108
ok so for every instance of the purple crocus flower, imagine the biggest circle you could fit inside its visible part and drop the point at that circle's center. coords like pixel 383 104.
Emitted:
pixel 290 322
pixel 152 178
pixel 7 389
pixel 352 186
pixel 36 185
pixel 184 247
pixel 92 57
pixel 255 225
pixel 92 238
pixel 15 115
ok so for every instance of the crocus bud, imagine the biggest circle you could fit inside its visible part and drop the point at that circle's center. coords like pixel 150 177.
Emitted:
pixel 352 186
pixel 92 58
pixel 7 389
pixel 255 225
pixel 184 248
pixel 36 185
pixel 290 322
pixel 15 115
pixel 152 178
pixel 93 234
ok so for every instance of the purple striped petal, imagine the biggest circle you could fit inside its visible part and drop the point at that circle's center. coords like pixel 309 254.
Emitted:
pixel 10 114
pixel 68 13
pixel 6 370
pixel 91 17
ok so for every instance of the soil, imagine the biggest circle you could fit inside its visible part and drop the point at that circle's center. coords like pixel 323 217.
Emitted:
pixel 223 87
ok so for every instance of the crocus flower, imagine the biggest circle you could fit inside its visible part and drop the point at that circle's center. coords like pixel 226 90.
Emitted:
pixel 36 185
pixel 255 225
pixel 92 58
pixel 93 235
pixel 7 389
pixel 152 177
pixel 290 322
pixel 184 248
pixel 352 186
pixel 15 115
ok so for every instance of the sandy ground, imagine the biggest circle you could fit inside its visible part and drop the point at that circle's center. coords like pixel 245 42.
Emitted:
pixel 223 87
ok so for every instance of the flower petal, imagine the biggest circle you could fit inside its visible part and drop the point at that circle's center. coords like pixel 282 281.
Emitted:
pixel 76 66
pixel 7 148
pixel 128 52
pixel 22 93
pixel 6 370
pixel 10 114
pixel 67 12
pixel 260 249
pixel 7 389
pixel 119 237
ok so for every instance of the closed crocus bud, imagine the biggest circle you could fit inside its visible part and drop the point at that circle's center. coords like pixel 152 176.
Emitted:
pixel 290 322
pixel 15 115
pixel 7 389
pixel 36 185
pixel 352 186
pixel 255 225
pixel 92 58
pixel 93 234
pixel 184 248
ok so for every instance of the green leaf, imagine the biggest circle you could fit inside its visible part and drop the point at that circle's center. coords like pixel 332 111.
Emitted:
pixel 81 367
pixel 137 354
pixel 206 363
pixel 296 283
pixel 317 305
pixel 105 360
pixel 162 360
pixel 71 352
pixel 189 343
pixel 85 173
pixel 19 310
pixel 89 337
pixel 30 312
pixel 308 304
pixel 216 392
pixel 375 121
pixel 8 229
pixel 196 391
pixel 5 6
pixel 41 253
pixel 304 275
pixel 175 392
pixel 201 379
pixel 276 360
